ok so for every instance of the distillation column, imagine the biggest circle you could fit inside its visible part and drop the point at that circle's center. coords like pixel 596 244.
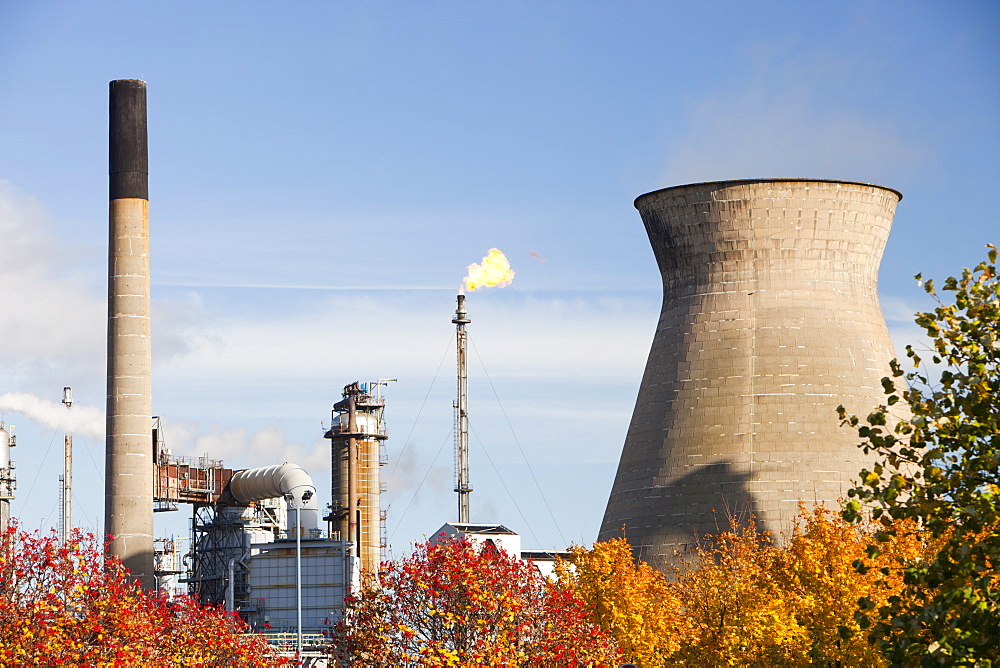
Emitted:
pixel 356 436
pixel 770 319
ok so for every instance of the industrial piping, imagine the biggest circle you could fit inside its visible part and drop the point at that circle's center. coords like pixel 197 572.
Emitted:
pixel 353 512
pixel 289 481
pixel 128 509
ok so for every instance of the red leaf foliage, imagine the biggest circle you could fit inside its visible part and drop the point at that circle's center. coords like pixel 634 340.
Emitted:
pixel 69 605
pixel 454 603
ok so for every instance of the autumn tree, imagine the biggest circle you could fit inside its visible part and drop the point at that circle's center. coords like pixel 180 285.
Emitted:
pixel 67 604
pixel 457 603
pixel 741 598
pixel 736 610
pixel 939 465
pixel 816 575
pixel 631 600
pixel 749 601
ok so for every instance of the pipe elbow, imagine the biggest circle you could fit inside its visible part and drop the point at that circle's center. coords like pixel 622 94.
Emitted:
pixel 274 481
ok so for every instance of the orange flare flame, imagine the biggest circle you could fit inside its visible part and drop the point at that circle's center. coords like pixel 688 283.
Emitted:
pixel 495 271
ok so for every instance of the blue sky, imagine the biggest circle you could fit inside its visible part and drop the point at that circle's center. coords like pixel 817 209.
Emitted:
pixel 321 173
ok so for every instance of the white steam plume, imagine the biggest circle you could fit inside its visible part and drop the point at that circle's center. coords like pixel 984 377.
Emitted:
pixel 79 419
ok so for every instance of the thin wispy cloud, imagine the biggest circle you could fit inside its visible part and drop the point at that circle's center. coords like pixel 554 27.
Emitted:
pixel 786 119
pixel 51 322
pixel 241 447
pixel 533 338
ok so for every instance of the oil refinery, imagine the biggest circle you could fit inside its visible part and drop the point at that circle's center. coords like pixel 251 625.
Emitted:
pixel 770 316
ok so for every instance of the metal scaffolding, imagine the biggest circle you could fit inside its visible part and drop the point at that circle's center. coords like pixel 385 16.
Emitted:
pixel 221 549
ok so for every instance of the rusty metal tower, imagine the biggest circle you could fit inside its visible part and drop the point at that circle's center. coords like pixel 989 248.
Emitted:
pixel 357 436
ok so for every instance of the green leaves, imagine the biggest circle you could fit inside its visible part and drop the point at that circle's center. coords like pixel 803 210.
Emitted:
pixel 943 473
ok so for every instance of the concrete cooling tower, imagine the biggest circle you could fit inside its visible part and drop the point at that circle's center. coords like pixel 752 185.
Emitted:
pixel 770 320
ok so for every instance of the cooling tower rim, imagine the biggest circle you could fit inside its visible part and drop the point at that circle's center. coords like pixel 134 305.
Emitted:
pixel 737 182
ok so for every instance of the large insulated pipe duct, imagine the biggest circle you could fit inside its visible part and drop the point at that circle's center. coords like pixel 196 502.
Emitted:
pixel 289 481
pixel 128 510
pixel 770 319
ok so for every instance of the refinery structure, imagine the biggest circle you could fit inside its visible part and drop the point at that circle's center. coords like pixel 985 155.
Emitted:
pixel 260 544
pixel 770 318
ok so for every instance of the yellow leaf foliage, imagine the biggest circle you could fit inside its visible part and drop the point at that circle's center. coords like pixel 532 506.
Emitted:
pixel 735 605
pixel 632 601
pixel 823 587
pixel 743 600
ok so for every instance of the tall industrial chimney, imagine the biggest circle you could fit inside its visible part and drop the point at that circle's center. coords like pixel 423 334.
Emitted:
pixel 66 490
pixel 128 510
pixel 770 319
pixel 462 485
pixel 8 478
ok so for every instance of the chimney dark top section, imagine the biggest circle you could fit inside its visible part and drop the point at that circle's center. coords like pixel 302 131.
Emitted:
pixel 128 150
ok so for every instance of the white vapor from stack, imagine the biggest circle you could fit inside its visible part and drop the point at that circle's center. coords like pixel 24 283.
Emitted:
pixel 81 419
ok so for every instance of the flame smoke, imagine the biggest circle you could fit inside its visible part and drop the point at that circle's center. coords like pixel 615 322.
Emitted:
pixel 84 420
pixel 494 271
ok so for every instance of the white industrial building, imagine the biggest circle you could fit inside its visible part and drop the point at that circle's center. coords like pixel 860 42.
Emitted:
pixel 501 538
